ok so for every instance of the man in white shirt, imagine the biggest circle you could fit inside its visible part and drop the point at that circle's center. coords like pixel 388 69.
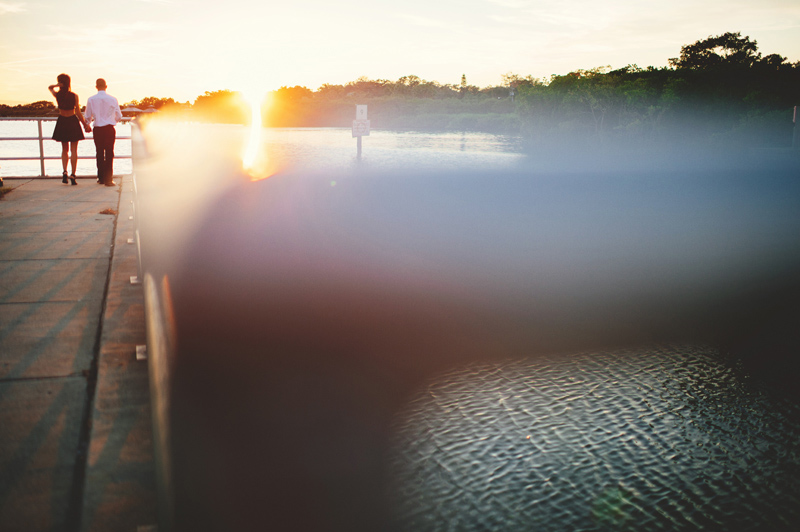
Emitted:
pixel 104 110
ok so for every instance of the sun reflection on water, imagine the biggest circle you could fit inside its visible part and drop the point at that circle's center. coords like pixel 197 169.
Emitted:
pixel 255 162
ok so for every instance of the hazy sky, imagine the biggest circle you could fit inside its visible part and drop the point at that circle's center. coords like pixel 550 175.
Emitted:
pixel 182 48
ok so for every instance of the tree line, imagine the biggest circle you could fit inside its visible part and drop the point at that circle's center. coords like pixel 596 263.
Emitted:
pixel 719 89
pixel 43 108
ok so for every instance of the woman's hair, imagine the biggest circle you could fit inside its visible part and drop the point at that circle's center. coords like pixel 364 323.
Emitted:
pixel 64 80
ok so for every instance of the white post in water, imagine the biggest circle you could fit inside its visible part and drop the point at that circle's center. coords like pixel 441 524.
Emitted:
pixel 794 129
pixel 360 125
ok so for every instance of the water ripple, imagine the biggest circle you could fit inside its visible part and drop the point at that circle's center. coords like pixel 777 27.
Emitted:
pixel 669 439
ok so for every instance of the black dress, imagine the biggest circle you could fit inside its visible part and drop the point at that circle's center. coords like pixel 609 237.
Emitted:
pixel 68 128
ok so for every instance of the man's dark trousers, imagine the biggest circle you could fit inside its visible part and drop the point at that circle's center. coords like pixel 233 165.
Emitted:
pixel 104 138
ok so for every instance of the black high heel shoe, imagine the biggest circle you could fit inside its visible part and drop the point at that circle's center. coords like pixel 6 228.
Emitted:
pixel 64 177
pixel 72 179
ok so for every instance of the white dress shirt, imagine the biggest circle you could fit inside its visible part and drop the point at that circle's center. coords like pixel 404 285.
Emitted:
pixel 103 109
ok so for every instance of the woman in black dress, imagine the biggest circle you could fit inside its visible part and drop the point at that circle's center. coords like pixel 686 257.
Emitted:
pixel 68 127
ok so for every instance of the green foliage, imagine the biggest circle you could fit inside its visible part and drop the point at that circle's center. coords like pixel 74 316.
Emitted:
pixel 722 93
pixel 151 101
pixel 408 103
pixel 514 80
pixel 490 122
pixel 40 108
pixel 726 49
pixel 397 112
pixel 223 106
pixel 295 93
pixel 761 128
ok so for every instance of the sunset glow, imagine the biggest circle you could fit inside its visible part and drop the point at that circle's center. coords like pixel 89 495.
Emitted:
pixel 177 49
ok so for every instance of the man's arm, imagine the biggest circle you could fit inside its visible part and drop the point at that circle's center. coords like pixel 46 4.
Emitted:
pixel 117 111
pixel 89 114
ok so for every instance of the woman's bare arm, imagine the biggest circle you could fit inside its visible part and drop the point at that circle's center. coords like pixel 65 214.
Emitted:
pixel 86 125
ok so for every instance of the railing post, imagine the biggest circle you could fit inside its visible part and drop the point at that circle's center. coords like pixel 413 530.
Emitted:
pixel 41 148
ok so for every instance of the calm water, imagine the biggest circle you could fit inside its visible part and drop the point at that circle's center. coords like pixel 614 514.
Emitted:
pixel 313 148
pixel 30 148
pixel 663 439
pixel 334 148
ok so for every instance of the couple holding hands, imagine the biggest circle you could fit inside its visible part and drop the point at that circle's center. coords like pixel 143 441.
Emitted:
pixel 103 110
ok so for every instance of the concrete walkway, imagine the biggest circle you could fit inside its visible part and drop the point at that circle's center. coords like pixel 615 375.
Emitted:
pixel 75 431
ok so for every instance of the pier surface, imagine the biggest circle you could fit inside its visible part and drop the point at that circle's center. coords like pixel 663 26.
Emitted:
pixel 75 430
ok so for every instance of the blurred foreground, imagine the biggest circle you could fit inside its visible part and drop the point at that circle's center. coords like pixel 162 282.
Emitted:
pixel 292 318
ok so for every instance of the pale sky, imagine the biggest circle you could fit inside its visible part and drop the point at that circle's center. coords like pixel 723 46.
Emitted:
pixel 183 48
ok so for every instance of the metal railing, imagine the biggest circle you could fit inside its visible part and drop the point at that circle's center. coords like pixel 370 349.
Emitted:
pixel 42 157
